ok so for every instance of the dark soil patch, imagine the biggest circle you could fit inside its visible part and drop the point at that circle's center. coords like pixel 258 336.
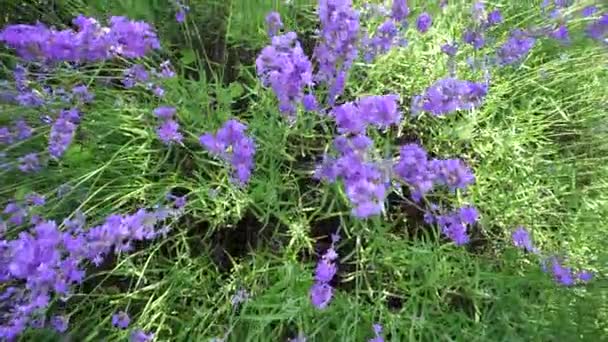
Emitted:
pixel 459 301
pixel 231 243
pixel 395 302
pixel 399 209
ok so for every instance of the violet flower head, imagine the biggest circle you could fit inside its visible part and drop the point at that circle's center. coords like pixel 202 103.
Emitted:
pixel 285 68
pixel 182 10
pixel 82 93
pixel 453 173
pixel 598 30
pixel 60 323
pixel 494 18
pixel 378 333
pixel 563 275
pixel 29 163
pixel 22 130
pixel 165 112
pixel 309 101
pixel 140 336
pixel 121 320
pixel 521 239
pixel 413 167
pixel 168 132
pixel 448 95
pixel 321 294
pixel 589 11
pixel 325 270
pixel 6 136
pixel 450 49
pixel 399 10
pixel 585 276
pixel 454 224
pixel 561 33
pixel 474 38
pixel 273 23
pixel 35 199
pixel 166 70
pixel 62 132
pixel 424 22
pixel 231 136
pixel 338 45
pixel 516 48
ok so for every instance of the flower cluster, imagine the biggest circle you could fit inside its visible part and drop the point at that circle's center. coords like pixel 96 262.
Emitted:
pixel 364 180
pixel 598 30
pixel 515 48
pixel 321 291
pixel 422 174
pixel 46 261
pixel 62 132
pixel 21 130
pixel 168 131
pixel 232 145
pixel 399 10
pixel 90 42
pixel 384 39
pixel 273 23
pixel 424 22
pixel 338 44
pixel 448 95
pixel 562 274
pixel 378 333
pixel 454 224
pixel 122 320
pixel 285 68
pixel 182 9
pixel 138 74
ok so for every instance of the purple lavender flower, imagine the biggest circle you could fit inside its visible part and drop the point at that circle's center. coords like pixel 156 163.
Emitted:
pixel 494 18
pixel 585 276
pixel 424 22
pixel 338 46
pixel 321 294
pixel 562 275
pixel 561 34
pixel 232 135
pixel 140 336
pixel 310 103
pixel 325 270
pixel 454 225
pixel 165 112
pixel 399 10
pixel 22 130
pixel 474 38
pixel 29 163
pixel 449 95
pixel 378 333
pixel 35 199
pixel 589 11
pixel 521 239
pixel 413 168
pixel 60 323
pixel 598 30
pixel 285 68
pixel 273 23
pixel 168 132
pixel 450 49
pixel 91 41
pixel 241 296
pixel 62 132
pixel 121 320
pixel 453 173
pixel 82 93
pixel 166 70
pixel 517 46
pixel 6 136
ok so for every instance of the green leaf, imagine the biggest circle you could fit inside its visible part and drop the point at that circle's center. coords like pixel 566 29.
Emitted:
pixel 188 56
